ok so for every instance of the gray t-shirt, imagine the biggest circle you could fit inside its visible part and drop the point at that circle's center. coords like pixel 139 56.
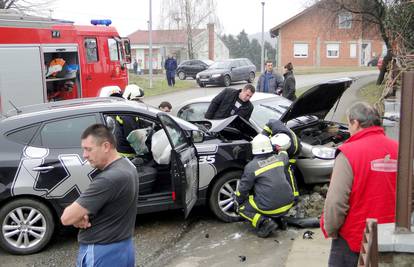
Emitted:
pixel 111 200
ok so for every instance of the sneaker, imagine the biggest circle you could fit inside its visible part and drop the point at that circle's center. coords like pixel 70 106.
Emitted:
pixel 266 228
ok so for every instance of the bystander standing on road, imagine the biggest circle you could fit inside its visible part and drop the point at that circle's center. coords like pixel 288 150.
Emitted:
pixel 231 102
pixel 165 106
pixel 170 66
pixel 289 85
pixel 362 186
pixel 105 212
pixel 270 81
pixel 135 66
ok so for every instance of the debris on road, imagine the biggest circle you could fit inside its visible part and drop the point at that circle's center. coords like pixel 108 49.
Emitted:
pixel 308 235
pixel 242 258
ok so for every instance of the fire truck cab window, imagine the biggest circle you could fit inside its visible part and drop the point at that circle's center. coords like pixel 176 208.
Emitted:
pixel 91 49
pixel 113 49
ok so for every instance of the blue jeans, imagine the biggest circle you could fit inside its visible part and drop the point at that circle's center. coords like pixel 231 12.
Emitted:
pixel 120 254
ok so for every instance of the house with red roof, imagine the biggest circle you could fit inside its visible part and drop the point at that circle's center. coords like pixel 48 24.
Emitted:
pixel 317 37
pixel 207 44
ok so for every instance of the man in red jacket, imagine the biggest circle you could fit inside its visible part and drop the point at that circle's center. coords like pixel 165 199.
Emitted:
pixel 363 185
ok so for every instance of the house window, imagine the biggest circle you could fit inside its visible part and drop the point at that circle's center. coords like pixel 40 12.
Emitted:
pixel 352 50
pixel 300 50
pixel 345 20
pixel 332 50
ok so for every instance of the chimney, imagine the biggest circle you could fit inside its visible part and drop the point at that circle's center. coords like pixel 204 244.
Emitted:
pixel 211 35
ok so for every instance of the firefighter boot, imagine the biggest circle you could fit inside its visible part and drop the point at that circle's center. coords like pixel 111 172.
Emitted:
pixel 266 228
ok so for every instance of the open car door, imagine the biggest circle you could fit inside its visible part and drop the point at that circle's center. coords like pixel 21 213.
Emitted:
pixel 184 163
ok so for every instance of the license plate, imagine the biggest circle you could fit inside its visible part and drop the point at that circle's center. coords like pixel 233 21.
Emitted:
pixel 204 80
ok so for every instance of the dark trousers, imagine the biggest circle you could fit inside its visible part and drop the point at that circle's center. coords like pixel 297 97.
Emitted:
pixel 341 255
pixel 248 212
pixel 171 77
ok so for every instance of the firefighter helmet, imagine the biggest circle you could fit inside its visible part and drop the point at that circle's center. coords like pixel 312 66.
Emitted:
pixel 281 141
pixel 261 145
pixel 133 91
pixel 112 90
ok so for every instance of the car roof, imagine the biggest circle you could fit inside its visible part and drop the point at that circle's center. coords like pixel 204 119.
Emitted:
pixel 53 110
pixel 256 97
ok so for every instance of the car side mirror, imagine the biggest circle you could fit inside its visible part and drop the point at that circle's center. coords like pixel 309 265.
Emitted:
pixel 197 136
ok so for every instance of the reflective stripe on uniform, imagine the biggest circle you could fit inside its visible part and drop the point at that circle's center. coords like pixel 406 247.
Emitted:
pixel 127 155
pixel 295 141
pixel 256 218
pixel 237 193
pixel 292 181
pixel 267 129
pixel 268 167
pixel 270 212
pixel 293 161
pixel 118 119
pixel 253 220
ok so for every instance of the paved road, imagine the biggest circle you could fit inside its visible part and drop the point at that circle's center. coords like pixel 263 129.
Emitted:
pixel 177 98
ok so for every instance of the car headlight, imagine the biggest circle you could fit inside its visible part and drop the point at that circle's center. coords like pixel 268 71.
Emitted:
pixel 216 75
pixel 197 76
pixel 323 152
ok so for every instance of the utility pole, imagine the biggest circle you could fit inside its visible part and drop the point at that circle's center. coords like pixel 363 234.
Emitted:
pixel 150 43
pixel 262 58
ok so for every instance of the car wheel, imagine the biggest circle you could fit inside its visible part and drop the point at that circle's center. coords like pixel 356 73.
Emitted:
pixel 251 77
pixel 202 84
pixel 227 81
pixel 27 226
pixel 181 75
pixel 221 201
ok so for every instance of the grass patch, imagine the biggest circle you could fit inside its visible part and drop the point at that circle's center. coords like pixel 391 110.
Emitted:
pixel 159 84
pixel 370 92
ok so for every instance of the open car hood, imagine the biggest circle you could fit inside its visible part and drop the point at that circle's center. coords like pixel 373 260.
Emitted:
pixel 318 100
pixel 236 122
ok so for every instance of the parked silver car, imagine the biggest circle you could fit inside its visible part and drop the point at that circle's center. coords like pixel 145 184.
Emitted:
pixel 305 116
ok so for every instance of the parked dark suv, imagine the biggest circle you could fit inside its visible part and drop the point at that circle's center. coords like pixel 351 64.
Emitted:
pixel 190 68
pixel 227 71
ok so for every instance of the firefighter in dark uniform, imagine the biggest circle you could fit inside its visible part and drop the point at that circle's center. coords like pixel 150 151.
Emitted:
pixel 264 191
pixel 274 127
pixel 125 124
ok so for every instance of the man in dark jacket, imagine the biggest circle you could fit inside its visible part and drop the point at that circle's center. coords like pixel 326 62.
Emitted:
pixel 231 102
pixel 270 81
pixel 265 177
pixel 170 66
pixel 289 86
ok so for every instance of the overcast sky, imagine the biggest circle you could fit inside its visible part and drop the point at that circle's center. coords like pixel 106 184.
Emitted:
pixel 130 15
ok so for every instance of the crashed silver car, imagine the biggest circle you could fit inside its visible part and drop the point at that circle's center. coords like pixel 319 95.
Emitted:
pixel 306 116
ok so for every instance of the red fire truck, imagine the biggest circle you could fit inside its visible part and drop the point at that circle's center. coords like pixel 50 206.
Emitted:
pixel 45 60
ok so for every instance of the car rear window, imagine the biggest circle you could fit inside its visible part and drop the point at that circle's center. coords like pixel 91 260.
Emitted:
pixel 63 133
pixel 24 135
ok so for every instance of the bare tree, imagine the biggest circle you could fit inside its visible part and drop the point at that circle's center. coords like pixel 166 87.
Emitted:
pixel 381 14
pixel 188 15
pixel 32 7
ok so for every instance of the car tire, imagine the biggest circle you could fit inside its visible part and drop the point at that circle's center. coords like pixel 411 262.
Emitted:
pixel 252 75
pixel 202 84
pixel 181 75
pixel 37 233
pixel 227 81
pixel 221 193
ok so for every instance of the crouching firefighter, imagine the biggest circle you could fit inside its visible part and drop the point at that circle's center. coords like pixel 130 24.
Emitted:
pixel 274 128
pixel 264 192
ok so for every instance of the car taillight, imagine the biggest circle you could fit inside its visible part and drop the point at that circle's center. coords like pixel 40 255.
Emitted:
pixel 173 195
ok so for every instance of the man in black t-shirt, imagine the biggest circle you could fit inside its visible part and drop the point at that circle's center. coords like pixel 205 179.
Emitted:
pixel 231 102
pixel 105 212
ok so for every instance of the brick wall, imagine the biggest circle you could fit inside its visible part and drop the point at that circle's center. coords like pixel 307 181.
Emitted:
pixel 318 29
